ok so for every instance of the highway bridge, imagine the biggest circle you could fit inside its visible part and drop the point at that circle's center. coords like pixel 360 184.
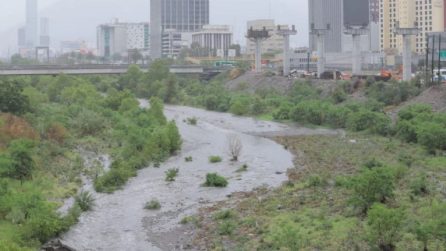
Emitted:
pixel 95 69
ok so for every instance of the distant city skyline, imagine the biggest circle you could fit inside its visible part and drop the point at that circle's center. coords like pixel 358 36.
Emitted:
pixel 77 19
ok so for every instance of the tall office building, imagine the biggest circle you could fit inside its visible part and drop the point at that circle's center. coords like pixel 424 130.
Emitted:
pixel 215 38
pixel 321 13
pixel 179 15
pixel 427 14
pixel 44 32
pixel 21 37
pixel 31 24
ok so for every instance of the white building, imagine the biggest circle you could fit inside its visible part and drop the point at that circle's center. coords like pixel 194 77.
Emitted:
pixel 215 38
pixel 32 23
pixel 118 38
pixel 171 43
pixel 44 32
pixel 274 44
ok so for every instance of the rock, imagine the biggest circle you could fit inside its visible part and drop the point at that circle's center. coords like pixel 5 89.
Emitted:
pixel 56 245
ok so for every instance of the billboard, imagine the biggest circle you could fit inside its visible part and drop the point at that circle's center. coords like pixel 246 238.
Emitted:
pixel 356 13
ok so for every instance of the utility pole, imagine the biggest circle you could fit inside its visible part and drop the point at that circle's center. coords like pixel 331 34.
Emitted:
pixel 258 36
pixel 426 63
pixel 433 59
pixel 356 33
pixel 320 38
pixel 407 34
pixel 440 78
pixel 286 33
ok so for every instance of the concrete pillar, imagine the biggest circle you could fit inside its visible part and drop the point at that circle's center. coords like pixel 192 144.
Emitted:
pixel 258 55
pixel 320 55
pixel 407 57
pixel 286 55
pixel 356 57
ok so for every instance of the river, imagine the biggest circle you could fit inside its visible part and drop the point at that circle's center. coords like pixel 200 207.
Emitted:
pixel 119 221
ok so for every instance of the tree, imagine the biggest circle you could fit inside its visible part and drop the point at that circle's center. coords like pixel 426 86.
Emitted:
pixel 372 186
pixel 383 226
pixel 174 137
pixel 156 110
pixel 159 70
pixel 135 56
pixel 235 147
pixel 171 94
pixel 22 161
pixel 11 98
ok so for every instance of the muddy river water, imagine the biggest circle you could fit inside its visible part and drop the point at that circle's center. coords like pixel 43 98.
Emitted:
pixel 119 221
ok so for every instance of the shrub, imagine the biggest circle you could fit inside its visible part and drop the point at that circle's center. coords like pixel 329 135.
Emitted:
pixel 171 174
pixel 226 228
pixel 419 186
pixel 84 200
pixel 224 215
pixel 283 112
pixel 235 147
pixel 215 180
pixel 371 186
pixel 192 121
pixel 384 226
pixel 189 219
pixel 243 168
pixel 215 159
pixel 367 120
pixel 152 205
pixel 113 180
pixel 188 159
pixel 11 98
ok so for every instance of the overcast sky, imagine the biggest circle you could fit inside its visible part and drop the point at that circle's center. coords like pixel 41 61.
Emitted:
pixel 77 19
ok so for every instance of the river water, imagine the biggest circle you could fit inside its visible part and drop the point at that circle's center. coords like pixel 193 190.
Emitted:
pixel 119 221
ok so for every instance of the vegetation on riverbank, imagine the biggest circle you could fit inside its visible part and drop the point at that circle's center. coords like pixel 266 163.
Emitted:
pixel 46 124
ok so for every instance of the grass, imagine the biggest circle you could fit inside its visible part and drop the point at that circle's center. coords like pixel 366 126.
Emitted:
pixel 152 205
pixel 171 174
pixel 215 180
pixel 85 201
pixel 215 159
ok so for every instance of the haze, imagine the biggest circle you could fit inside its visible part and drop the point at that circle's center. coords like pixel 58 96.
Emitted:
pixel 77 19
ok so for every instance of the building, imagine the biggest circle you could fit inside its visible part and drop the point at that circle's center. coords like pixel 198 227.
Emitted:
pixel 21 37
pixel 427 15
pixel 171 43
pixel 31 29
pixel 183 16
pixel 215 38
pixel 323 13
pixel 44 32
pixel 118 38
pixel 303 59
pixel 274 44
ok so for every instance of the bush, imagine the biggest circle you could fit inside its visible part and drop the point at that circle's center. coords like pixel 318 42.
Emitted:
pixel 171 174
pixel 384 226
pixel 226 228
pixel 215 180
pixel 113 180
pixel 244 168
pixel 84 200
pixel 11 98
pixel 188 159
pixel 371 186
pixel 215 159
pixel 419 186
pixel 283 112
pixel 152 205
pixel 192 121
pixel 224 215
pixel 368 120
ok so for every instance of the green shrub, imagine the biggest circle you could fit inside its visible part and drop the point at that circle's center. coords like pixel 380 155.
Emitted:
pixel 84 200
pixel 372 186
pixel 420 186
pixel 283 112
pixel 113 179
pixel 243 168
pixel 226 228
pixel 215 159
pixel 224 214
pixel 171 174
pixel 189 219
pixel 384 226
pixel 152 205
pixel 215 180
pixel 188 159
pixel 192 121
pixel 368 120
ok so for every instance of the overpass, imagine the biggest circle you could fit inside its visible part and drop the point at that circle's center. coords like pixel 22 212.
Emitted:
pixel 101 69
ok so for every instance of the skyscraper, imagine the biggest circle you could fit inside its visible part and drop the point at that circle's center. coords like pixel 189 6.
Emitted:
pixel 179 15
pixel 32 37
pixel 321 13
pixel 44 32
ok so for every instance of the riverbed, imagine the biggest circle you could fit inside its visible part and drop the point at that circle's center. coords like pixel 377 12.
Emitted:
pixel 120 222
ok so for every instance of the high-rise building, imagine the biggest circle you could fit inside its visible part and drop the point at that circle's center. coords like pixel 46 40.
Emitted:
pixel 21 37
pixel 214 38
pixel 118 38
pixel 179 15
pixel 273 44
pixel 44 32
pixel 323 13
pixel 31 24
pixel 427 15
